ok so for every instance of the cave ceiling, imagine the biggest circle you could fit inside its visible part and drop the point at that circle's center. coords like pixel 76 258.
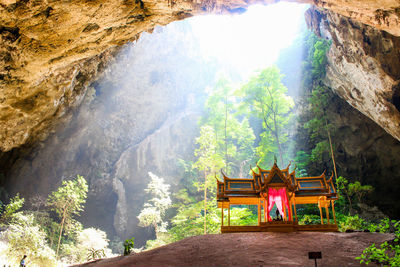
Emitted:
pixel 50 51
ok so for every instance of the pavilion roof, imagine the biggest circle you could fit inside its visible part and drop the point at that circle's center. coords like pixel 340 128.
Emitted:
pixel 275 177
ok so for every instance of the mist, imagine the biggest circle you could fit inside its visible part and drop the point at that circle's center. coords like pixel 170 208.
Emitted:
pixel 142 114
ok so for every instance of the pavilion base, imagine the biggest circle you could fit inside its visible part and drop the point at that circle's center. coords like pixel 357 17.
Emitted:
pixel 280 227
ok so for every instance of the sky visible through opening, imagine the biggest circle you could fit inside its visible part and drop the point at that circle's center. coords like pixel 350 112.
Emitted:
pixel 250 41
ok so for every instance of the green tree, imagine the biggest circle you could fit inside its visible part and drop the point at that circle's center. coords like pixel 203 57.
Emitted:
pixel 153 211
pixel 128 246
pixel 25 237
pixel 68 201
pixel 8 211
pixel 316 100
pixel 234 136
pixel 351 194
pixel 208 161
pixel 91 244
pixel 266 98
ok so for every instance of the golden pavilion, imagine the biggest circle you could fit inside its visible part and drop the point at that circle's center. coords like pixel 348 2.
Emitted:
pixel 276 187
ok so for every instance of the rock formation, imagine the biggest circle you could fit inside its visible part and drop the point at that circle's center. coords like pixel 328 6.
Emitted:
pixel 364 152
pixel 140 116
pixel 49 52
pixel 363 66
pixel 253 249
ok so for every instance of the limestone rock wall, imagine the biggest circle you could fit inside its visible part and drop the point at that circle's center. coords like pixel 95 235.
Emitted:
pixel 46 47
pixel 139 116
pixel 365 152
pixel 363 66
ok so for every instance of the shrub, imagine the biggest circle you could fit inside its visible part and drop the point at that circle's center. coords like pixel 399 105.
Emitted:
pixel 310 219
pixel 387 253
pixel 347 222
pixel 8 211
pixel 128 246
pixel 24 237
pixel 91 244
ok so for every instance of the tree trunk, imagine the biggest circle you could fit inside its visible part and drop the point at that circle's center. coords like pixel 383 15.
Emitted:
pixel 52 238
pixel 205 203
pixel 61 228
pixel 226 139
pixel 276 133
pixel 280 149
pixel 330 144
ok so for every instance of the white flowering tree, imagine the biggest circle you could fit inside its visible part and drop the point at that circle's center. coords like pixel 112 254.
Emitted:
pixel 153 210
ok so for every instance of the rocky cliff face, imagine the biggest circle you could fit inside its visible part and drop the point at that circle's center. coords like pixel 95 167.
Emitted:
pixel 140 116
pixel 363 69
pixel 51 51
pixel 365 152
pixel 363 66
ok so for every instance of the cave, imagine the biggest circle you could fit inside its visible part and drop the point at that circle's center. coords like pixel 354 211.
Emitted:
pixel 79 95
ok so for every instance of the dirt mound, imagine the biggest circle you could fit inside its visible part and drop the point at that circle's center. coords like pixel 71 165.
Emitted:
pixel 254 249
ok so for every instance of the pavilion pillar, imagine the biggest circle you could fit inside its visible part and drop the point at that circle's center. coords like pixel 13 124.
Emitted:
pixel 259 211
pixel 222 212
pixel 284 217
pixel 229 214
pixel 327 212
pixel 320 211
pixel 295 210
pixel 290 212
pixel 333 211
pixel 266 209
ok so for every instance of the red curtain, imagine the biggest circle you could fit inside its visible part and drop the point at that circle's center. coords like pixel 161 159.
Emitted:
pixel 279 197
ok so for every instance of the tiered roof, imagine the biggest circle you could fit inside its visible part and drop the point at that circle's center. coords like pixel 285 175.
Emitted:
pixel 275 177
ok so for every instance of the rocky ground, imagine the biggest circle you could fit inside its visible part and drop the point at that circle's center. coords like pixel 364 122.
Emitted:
pixel 254 249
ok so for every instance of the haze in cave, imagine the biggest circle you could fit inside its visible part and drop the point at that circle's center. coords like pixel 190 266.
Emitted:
pixel 118 152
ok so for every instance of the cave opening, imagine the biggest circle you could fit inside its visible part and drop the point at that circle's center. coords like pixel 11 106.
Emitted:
pixel 141 115
pixel 143 120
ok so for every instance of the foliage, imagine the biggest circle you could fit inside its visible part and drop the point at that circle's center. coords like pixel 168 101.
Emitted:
pixel 359 191
pixel 351 194
pixel 316 99
pixel 25 237
pixel 189 220
pixel 68 201
pixel 93 243
pixel 89 244
pixel 265 97
pixel 28 232
pixel 302 160
pixel 348 222
pixel 95 254
pixel 8 211
pixel 233 135
pixel 128 246
pixel 319 58
pixel 208 161
pixel 309 219
pixel 69 198
pixel 153 211
pixel 388 253
pixel 242 216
